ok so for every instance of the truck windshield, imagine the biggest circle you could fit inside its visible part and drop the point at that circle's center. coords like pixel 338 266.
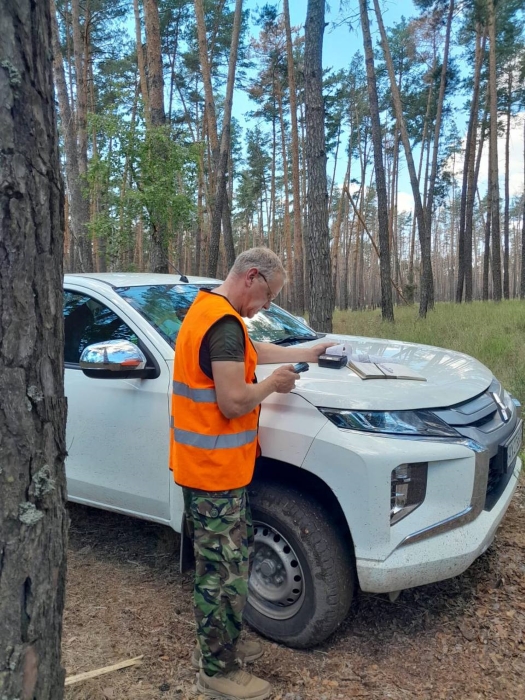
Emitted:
pixel 165 306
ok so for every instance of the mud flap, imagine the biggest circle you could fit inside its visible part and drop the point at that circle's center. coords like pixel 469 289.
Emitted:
pixel 187 556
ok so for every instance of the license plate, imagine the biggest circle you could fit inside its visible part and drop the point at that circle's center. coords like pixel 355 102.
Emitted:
pixel 513 445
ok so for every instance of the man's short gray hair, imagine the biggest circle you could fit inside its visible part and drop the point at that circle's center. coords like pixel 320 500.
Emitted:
pixel 264 259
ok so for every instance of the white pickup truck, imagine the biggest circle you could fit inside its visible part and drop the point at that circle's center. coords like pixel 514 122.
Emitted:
pixel 381 484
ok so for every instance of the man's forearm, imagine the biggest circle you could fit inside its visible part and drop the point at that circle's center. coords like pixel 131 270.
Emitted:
pixel 268 353
pixel 255 394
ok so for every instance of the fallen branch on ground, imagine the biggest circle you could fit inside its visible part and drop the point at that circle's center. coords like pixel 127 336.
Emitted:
pixel 105 669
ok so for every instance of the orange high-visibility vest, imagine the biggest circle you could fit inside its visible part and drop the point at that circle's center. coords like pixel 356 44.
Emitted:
pixel 209 451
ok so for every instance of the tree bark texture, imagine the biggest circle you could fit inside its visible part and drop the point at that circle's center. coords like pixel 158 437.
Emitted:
pixel 387 308
pixel 83 252
pixel 33 521
pixel 522 280
pixel 141 63
pixel 159 242
pixel 506 220
pixel 493 157
pixel 154 60
pixel 468 191
pixel 297 223
pixel 321 303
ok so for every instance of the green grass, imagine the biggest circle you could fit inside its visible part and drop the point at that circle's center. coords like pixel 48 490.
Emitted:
pixel 492 333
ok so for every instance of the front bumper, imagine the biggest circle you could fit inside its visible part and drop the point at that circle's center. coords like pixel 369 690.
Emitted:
pixel 439 557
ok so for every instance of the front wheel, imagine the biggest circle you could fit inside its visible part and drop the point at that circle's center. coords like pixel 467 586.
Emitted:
pixel 302 577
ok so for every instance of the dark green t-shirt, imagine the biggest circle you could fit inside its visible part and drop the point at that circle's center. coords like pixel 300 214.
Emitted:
pixel 224 342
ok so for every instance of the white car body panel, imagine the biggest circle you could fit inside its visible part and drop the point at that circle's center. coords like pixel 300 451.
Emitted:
pixel 118 441
pixel 443 556
pixel 451 378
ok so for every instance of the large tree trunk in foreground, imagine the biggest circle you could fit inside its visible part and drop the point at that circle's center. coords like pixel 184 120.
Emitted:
pixel 321 303
pixel 33 520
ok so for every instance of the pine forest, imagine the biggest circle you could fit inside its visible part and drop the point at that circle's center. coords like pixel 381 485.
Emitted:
pixel 191 130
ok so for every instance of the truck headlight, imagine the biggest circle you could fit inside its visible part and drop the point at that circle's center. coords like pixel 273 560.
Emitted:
pixel 417 423
pixel 408 487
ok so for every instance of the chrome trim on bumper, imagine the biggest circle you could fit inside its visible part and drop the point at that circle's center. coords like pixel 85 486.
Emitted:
pixel 481 474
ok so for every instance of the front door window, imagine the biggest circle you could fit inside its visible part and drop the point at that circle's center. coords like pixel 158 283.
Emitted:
pixel 87 321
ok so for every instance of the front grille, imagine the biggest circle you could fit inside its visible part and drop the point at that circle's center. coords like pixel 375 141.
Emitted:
pixel 481 420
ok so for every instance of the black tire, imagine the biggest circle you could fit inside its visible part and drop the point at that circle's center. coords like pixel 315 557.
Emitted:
pixel 295 534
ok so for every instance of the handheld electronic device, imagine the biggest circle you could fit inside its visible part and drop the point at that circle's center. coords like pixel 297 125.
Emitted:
pixel 301 367
pixel 333 361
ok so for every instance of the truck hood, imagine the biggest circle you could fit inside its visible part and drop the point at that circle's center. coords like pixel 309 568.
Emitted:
pixel 451 378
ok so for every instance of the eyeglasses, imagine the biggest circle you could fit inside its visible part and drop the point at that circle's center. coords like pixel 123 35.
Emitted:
pixel 271 295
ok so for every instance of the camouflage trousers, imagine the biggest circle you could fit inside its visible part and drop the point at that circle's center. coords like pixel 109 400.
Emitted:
pixel 220 523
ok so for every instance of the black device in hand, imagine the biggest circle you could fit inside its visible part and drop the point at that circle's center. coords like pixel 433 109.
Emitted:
pixel 301 367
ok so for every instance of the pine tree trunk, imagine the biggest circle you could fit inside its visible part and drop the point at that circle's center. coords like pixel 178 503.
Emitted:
pixel 83 252
pixel 159 238
pixel 387 308
pixel 224 149
pixel 486 250
pixel 468 192
pixel 78 205
pixel 33 520
pixel 154 59
pixel 522 280
pixel 493 157
pixel 286 218
pixel 336 243
pixel 437 130
pixel 506 254
pixel 141 63
pixel 427 283
pixel 321 298
pixel 209 110
pixel 297 222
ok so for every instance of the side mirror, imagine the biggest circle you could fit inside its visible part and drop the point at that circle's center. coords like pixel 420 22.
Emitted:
pixel 114 359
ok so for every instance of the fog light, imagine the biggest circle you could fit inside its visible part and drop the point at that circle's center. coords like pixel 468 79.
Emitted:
pixel 408 488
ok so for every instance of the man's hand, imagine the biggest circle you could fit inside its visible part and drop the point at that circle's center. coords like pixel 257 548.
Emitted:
pixel 236 398
pixel 284 379
pixel 317 350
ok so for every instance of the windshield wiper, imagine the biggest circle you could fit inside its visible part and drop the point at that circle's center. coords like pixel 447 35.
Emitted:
pixel 293 339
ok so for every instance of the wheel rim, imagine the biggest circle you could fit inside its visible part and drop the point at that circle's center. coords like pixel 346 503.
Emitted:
pixel 277 586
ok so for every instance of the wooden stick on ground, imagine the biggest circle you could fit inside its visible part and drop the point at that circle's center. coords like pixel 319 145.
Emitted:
pixel 106 669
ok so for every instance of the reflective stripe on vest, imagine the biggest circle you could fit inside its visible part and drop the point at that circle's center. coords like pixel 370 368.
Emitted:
pixel 197 395
pixel 214 442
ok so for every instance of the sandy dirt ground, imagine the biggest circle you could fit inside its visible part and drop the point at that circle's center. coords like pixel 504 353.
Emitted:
pixel 461 639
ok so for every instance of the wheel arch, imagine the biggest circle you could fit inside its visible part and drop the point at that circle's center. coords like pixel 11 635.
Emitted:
pixel 276 471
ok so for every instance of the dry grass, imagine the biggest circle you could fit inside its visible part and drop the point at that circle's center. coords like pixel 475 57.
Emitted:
pixel 492 333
